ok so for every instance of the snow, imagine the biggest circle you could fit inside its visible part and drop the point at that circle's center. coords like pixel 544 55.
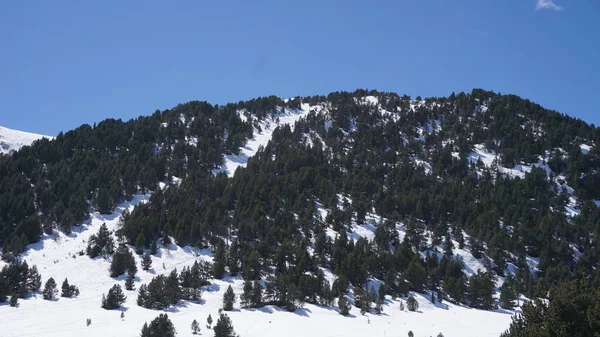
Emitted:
pixel 13 140
pixel 597 202
pixel 585 149
pixel 66 317
pixel 261 138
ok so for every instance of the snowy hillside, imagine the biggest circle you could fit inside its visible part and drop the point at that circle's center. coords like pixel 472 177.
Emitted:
pixel 12 140
pixel 57 256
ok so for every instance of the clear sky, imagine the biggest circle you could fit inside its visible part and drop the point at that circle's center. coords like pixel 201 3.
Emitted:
pixel 65 63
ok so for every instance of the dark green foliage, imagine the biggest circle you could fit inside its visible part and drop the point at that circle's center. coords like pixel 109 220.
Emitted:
pixel 344 306
pixel 228 299
pixel 146 261
pixel 481 290
pixel 246 297
pixel 508 292
pixel 129 282
pixel 412 304
pixel 573 310
pixel 161 293
pixel 50 291
pixel 161 326
pixel 224 327
pixel 18 278
pixel 114 299
pixel 411 334
pixel 69 290
pixel 101 243
pixel 14 300
pixel 122 261
pixel 415 274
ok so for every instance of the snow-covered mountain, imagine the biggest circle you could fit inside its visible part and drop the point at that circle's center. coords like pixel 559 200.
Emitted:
pixel 330 187
pixel 13 140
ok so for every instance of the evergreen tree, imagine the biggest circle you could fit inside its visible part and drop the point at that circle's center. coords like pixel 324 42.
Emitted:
pixel 228 299
pixel 129 282
pixel 256 299
pixel 34 279
pixel 195 327
pixel 161 326
pixel 50 290
pixel 415 274
pixel 246 297
pixel 140 243
pixel 122 261
pixel 114 299
pixel 401 305
pixel 379 306
pixel 344 306
pixel 69 290
pixel 224 327
pixel 508 293
pixel 209 322
pixel 146 261
pixel 411 334
pixel 14 300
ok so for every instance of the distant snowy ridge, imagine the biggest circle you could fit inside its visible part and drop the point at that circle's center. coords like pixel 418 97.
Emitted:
pixel 13 140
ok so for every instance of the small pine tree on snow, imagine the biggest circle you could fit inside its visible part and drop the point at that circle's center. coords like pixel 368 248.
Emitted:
pixel 129 280
pixel 34 279
pixel 114 299
pixel 161 326
pixel 344 306
pixel 146 261
pixel 69 290
pixel 195 327
pixel 440 335
pixel 411 334
pixel 122 314
pixel 50 290
pixel 224 327
pixel 209 322
pixel 412 304
pixel 228 299
pixel 401 305
pixel 122 261
pixel 14 300
pixel 88 322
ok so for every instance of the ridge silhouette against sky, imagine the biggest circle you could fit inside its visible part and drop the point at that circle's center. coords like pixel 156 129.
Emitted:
pixel 64 63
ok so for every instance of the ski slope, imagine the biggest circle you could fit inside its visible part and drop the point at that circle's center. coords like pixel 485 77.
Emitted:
pixel 57 256
pixel 13 140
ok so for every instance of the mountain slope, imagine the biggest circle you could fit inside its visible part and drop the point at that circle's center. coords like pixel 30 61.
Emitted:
pixel 473 200
pixel 13 140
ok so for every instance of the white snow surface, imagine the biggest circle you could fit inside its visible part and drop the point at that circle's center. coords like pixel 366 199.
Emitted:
pixel 66 317
pixel 261 138
pixel 13 140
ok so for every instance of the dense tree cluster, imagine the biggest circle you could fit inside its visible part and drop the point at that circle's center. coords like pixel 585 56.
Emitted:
pixel 17 280
pixel 573 309
pixel 165 291
pixel 161 326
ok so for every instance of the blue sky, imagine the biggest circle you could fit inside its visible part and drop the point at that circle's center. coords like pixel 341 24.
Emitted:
pixel 65 63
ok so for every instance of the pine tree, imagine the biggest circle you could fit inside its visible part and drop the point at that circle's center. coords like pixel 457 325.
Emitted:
pixel 114 299
pixel 161 326
pixel 209 322
pixel 122 314
pixel 140 243
pixel 344 306
pixel 14 300
pixel 401 305
pixel 411 334
pixel 66 289
pixel 195 327
pixel 224 327
pixel 228 299
pixel 50 290
pixel 256 300
pixel 146 261
pixel 246 297
pixel 412 304
pixel 129 284
pixel 508 293
pixel 34 279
